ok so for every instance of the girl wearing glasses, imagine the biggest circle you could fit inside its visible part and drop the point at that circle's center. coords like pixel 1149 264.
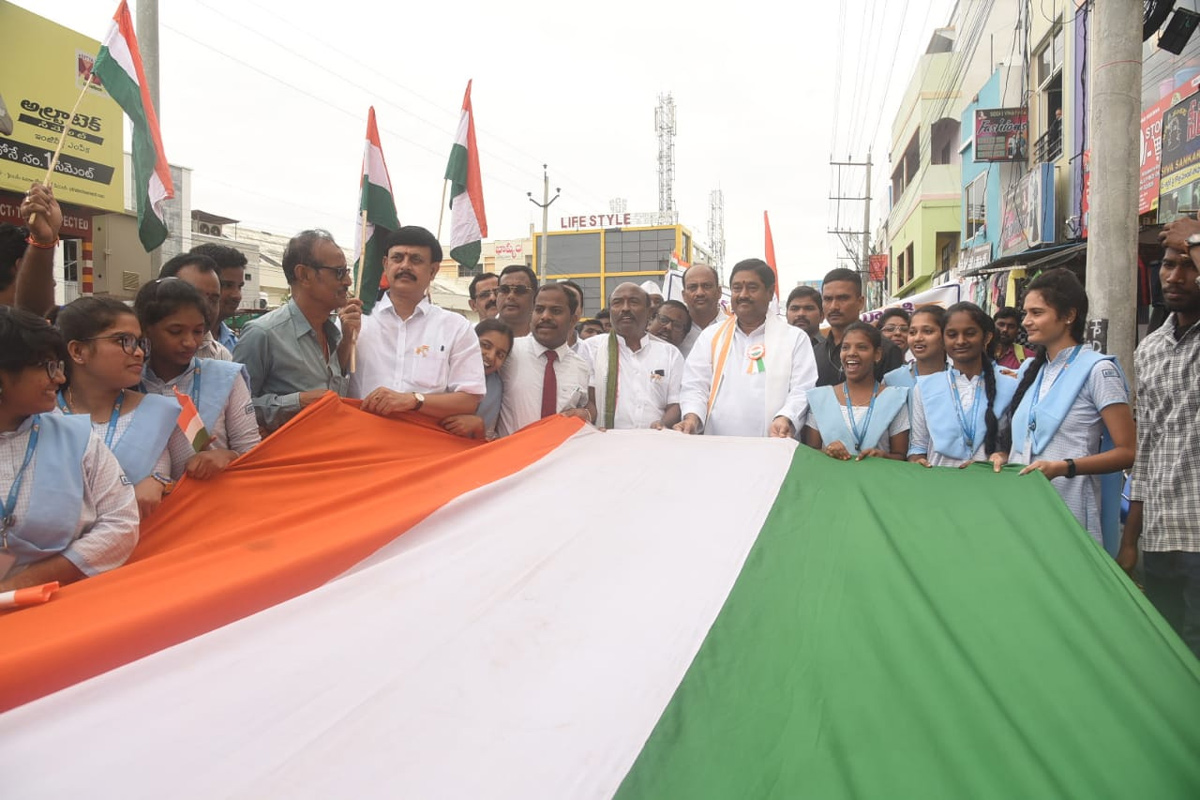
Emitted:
pixel 859 418
pixel 174 319
pixel 105 357
pixel 66 510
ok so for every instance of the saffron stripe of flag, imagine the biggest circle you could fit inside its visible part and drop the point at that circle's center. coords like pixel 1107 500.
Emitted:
pixel 377 200
pixel 769 248
pixel 119 67
pixel 190 423
pixel 468 220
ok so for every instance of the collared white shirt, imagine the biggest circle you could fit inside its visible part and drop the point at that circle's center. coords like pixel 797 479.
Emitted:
pixel 211 348
pixel 689 341
pixel 432 351
pixel 740 407
pixel 523 372
pixel 648 380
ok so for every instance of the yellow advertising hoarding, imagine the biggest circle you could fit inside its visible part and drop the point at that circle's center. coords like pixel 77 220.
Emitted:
pixel 43 68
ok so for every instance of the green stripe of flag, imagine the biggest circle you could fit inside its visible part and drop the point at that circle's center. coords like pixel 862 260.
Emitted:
pixel 456 171
pixel 876 645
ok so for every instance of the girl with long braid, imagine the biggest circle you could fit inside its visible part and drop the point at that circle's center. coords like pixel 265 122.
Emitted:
pixel 1072 403
pixel 956 414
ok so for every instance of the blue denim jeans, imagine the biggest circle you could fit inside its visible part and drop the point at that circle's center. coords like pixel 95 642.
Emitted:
pixel 1173 586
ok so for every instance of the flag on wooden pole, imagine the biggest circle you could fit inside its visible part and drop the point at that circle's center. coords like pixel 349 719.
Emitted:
pixel 379 205
pixel 119 67
pixel 770 252
pixel 468 220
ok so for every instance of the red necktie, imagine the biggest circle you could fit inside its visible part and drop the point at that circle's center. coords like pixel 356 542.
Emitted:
pixel 550 387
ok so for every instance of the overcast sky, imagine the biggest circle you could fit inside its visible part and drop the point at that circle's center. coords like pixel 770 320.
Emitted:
pixel 267 101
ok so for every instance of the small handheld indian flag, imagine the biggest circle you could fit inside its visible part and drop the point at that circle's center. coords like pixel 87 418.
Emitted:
pixel 191 424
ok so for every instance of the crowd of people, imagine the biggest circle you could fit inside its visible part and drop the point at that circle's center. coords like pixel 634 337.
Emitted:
pixel 90 405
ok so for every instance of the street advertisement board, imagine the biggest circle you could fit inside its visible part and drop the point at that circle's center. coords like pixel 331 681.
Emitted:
pixel 1001 134
pixel 1027 217
pixel 36 102
pixel 1179 181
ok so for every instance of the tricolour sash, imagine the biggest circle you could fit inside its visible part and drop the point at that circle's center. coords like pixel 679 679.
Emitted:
pixel 831 423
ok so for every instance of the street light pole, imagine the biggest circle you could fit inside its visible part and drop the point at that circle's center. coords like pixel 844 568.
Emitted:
pixel 547 200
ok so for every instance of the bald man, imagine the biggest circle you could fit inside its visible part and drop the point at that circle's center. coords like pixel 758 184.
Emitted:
pixel 702 295
pixel 643 389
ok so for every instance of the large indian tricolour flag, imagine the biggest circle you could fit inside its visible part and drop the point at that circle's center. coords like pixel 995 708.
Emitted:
pixel 119 66
pixel 565 613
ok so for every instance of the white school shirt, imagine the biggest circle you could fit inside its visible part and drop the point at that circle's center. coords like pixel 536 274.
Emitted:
pixel 740 408
pixel 523 373
pixel 647 380
pixel 433 351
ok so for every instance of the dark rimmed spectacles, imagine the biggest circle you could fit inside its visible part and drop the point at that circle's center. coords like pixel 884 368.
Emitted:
pixel 339 273
pixel 662 319
pixel 128 342
pixel 54 369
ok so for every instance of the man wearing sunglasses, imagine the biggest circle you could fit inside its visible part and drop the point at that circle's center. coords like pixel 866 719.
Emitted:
pixel 413 355
pixel 518 284
pixel 296 353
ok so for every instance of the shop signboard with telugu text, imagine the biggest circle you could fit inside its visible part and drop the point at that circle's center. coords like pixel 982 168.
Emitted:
pixel 1001 134
pixel 1179 181
pixel 35 104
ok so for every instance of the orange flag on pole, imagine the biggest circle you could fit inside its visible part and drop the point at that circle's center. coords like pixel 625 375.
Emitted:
pixel 770 250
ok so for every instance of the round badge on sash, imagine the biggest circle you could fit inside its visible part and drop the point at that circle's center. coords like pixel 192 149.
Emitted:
pixel 755 354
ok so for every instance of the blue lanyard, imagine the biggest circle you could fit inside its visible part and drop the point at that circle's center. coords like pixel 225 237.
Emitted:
pixel 968 429
pixel 859 435
pixel 1037 387
pixel 112 420
pixel 7 510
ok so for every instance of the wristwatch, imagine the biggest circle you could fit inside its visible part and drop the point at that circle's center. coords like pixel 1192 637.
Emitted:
pixel 1070 467
pixel 420 401
pixel 167 484
pixel 1193 241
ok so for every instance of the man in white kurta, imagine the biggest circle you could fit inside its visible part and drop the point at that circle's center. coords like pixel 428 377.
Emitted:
pixel 749 375
pixel 649 371
pixel 411 354
pixel 702 295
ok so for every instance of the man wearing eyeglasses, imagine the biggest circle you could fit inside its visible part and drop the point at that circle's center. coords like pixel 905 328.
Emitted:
pixel 518 284
pixel 482 295
pixel 413 355
pixel 296 353
pixel 672 323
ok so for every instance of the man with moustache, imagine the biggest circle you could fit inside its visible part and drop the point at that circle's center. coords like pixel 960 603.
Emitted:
pixel 231 269
pixel 1165 490
pixel 804 311
pixel 748 375
pixel 482 295
pixel 518 284
pixel 637 386
pixel 671 323
pixel 296 353
pixel 542 375
pixel 413 355
pixel 1008 351
pixel 843 303
pixel 702 295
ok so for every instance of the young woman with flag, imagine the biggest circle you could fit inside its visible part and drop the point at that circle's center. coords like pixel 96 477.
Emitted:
pixel 956 413
pixel 105 358
pixel 859 418
pixel 1071 418
pixel 174 320
pixel 925 341
pixel 66 510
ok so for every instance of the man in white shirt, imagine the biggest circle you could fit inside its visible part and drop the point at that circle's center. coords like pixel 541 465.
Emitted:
pixel 542 374
pixel 702 295
pixel 748 376
pixel 412 355
pixel 645 384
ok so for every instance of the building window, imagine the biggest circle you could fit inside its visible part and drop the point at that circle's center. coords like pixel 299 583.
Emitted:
pixel 975 207
pixel 908 263
pixel 944 135
pixel 1048 60
pixel 71 249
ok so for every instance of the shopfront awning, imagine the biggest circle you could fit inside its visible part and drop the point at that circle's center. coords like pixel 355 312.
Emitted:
pixel 1042 258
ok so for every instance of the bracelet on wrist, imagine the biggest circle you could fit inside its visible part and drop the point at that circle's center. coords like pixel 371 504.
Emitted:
pixel 29 240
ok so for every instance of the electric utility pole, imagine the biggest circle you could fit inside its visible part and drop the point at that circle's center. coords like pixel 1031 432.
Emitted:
pixel 547 200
